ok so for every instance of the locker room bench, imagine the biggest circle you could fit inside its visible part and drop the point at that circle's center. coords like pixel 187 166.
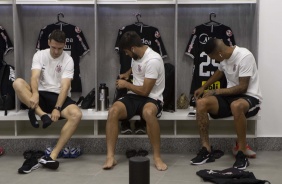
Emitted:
pixel 91 114
pixel 173 125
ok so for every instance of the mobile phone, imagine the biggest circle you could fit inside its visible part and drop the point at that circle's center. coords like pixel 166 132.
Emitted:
pixel 192 113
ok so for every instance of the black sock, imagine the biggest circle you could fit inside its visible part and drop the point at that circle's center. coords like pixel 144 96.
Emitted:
pixel 46 120
pixel 32 118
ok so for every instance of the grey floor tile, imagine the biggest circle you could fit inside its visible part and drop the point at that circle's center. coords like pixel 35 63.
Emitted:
pixel 87 169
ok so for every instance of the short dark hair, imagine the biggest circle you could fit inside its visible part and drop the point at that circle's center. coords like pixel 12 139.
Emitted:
pixel 210 46
pixel 130 39
pixel 58 36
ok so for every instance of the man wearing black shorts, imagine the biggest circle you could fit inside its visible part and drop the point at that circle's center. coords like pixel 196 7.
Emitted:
pixel 144 97
pixel 241 99
pixel 48 93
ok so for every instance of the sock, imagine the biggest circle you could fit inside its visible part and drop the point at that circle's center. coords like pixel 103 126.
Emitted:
pixel 46 120
pixel 32 118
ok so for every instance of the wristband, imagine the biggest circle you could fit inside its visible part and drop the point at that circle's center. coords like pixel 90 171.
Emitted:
pixel 58 108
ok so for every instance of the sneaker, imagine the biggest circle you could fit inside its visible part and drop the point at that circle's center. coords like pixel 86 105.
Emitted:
pixel 202 157
pixel 48 151
pixel 33 153
pixel 66 152
pixel 140 127
pixel 241 161
pixel 75 152
pixel 125 128
pixel 29 165
pixel 249 152
pixel 48 162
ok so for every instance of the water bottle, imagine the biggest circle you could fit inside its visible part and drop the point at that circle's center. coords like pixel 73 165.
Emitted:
pixel 104 97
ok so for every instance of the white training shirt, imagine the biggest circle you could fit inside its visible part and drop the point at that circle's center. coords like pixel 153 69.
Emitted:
pixel 150 66
pixel 52 70
pixel 242 64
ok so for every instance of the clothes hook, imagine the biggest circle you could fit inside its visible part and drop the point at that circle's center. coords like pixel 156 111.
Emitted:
pixel 212 14
pixel 58 16
pixel 137 15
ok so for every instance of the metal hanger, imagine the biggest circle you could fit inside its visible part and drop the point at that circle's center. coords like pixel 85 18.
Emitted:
pixel 138 22
pixel 58 18
pixel 212 21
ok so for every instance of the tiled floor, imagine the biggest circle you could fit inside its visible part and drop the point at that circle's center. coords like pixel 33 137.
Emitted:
pixel 87 169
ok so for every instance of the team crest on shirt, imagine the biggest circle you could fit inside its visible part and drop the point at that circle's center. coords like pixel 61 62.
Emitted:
pixel 234 67
pixel 58 68
pixel 157 34
pixel 203 38
pixel 229 33
pixel 77 29
pixel 139 68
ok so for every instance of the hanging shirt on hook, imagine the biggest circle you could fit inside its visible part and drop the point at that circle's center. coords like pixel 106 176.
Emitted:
pixel 76 46
pixel 5 43
pixel 204 66
pixel 150 36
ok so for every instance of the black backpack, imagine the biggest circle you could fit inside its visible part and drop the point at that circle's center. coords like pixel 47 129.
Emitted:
pixel 168 94
pixel 88 101
pixel 7 92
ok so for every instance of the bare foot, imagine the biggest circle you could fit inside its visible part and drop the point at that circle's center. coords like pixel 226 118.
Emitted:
pixel 160 165
pixel 110 163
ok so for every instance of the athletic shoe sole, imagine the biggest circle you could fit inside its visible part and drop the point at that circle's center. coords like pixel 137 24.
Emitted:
pixel 245 167
pixel 204 161
pixel 140 131
pixel 31 169
pixel 51 164
pixel 126 132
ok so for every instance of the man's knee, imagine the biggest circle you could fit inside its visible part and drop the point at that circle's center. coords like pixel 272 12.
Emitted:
pixel 202 104
pixel 18 83
pixel 149 113
pixel 75 114
pixel 238 107
pixel 114 112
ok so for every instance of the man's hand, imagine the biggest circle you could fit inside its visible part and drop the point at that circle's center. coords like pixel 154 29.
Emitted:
pixel 34 100
pixel 55 115
pixel 209 93
pixel 198 93
pixel 124 76
pixel 121 83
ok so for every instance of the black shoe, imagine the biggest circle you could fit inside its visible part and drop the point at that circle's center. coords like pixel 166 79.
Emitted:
pixel 202 157
pixel 48 162
pixel 29 165
pixel 140 127
pixel 142 153
pixel 33 153
pixel 241 162
pixel 125 128
pixel 130 153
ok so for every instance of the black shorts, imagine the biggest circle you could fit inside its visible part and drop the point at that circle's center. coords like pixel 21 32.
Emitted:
pixel 134 105
pixel 48 100
pixel 224 103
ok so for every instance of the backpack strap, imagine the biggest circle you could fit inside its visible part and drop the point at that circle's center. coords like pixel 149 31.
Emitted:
pixel 1 77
